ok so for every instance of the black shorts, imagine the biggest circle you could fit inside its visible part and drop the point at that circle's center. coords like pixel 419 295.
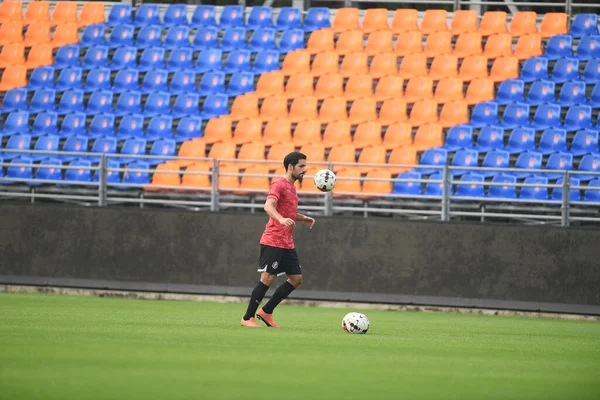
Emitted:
pixel 278 261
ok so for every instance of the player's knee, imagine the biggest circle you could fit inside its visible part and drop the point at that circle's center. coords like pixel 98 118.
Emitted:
pixel 296 280
pixel 267 278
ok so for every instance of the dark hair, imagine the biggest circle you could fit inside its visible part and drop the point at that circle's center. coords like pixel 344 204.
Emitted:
pixel 292 159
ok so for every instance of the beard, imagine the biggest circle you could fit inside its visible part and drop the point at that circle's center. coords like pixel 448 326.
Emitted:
pixel 299 178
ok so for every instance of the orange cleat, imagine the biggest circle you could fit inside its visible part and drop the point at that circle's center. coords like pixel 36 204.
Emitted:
pixel 267 318
pixel 250 323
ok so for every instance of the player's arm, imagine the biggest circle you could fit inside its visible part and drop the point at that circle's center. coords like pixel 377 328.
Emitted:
pixel 270 209
pixel 309 221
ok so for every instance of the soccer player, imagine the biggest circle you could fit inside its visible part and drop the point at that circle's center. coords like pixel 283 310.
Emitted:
pixel 277 252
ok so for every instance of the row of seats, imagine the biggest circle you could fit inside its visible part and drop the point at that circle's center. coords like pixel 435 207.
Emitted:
pixel 64 12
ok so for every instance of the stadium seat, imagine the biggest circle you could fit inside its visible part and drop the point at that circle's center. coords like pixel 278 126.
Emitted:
pixel 468 44
pixel 402 159
pixel 379 42
pixel 133 146
pixel 333 109
pixel 559 162
pixel 295 62
pixel 11 11
pixel 565 69
pixel 383 64
pixel 409 43
pixel 494 159
pixel 37 33
pixel 574 194
pixel 585 142
pixel 278 131
pixel 183 81
pixel 345 19
pixel 414 65
pixel 124 57
pixel 490 138
pixel 428 136
pixel 378 182
pixel 480 90
pixel 505 191
pixel 471 185
pixel 534 69
pixel 217 130
pixel 11 32
pixel 165 178
pixel 341 155
pixel 459 137
pixel 163 148
pixel 464 158
pixel 266 61
pixel 97 79
pixel 578 117
pixel 592 194
pixel 368 134
pixel 464 21
pixel 405 20
pixel 515 114
pixel 91 13
pixel 432 157
pixel 540 92
pixel 64 12
pixel 498 45
pixel 147 14
pixel 188 128
pixel 316 18
pixel 559 46
pixel 177 36
pixel 521 140
pixel 190 149
pixel 434 21
pixel 43 100
pixel 424 112
pixel 238 60
pixel 553 24
pixel 288 18
pixel 248 130
pixel 438 43
pixel 204 15
pixel 391 87
pixel 121 35
pixel 444 66
pixel 206 37
pixel 95 57
pixel 273 107
pixel 157 103
pixel 504 68
pixel 492 23
pixel 358 86
pixel 526 161
pixel 103 127
pixel 375 19
pixel 231 16
pixel 126 80
pixel 48 170
pixel 131 126
pixel 392 111
pixel 337 133
pixel 572 92
pixel 362 110
pixel 411 186
pixel 290 40
pixel 209 60
pixel 303 108
pixel 120 14
pixel 510 91
pixel 454 113
pixel 251 151
pixel 101 101
pixel 14 100
pixel 181 59
pixel 584 24
pixel 128 103
pixel 523 23
pixel 484 114
pixel 528 46
pixel 537 192
pixel 67 56
pixel 260 17
pixel 546 116
pixel 73 125
pixel 186 105
pixel 20 172
pixel 473 67
pixel 589 163
pixel 588 48
pixel 102 145
pixel 175 14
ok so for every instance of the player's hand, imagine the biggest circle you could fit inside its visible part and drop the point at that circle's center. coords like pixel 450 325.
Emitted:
pixel 290 223
pixel 309 222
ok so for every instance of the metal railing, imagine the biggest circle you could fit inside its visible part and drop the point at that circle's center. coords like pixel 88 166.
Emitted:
pixel 108 185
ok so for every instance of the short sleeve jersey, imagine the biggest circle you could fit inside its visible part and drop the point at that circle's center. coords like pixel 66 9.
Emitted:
pixel 275 234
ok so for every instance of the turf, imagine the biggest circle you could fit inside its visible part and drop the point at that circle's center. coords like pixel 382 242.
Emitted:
pixel 67 347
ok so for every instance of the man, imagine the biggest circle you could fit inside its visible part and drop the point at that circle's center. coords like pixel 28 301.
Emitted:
pixel 277 252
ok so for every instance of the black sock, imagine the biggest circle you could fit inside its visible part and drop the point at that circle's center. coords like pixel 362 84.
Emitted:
pixel 280 294
pixel 257 295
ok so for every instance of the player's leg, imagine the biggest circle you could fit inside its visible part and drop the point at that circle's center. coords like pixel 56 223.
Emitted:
pixel 269 258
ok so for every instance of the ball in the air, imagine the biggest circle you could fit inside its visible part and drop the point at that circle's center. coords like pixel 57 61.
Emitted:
pixel 325 180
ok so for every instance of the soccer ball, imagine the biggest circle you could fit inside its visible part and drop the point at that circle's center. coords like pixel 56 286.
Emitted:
pixel 355 323
pixel 325 180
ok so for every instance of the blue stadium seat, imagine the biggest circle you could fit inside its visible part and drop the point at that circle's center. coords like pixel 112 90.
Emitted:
pixel 588 48
pixel 74 144
pixel 209 60
pixel 594 101
pixel 234 38
pixel 206 38
pixel 584 24
pixel 215 105
pixel 16 142
pixel 515 114
pixel 121 35
pixel 133 146
pixel 155 80
pixel 231 16
pixel 103 145
pixel 45 123
pixel 95 57
pixel 574 194
pixel 131 126
pixel 136 177
pixel 112 176
pixel 537 192
pixel 566 69
pixel 288 18
pixel 119 14
pixel 186 104
pixel 240 83
pixel 162 147
pixel 188 128
pixel 97 79
pixel 262 39
pixel 69 78
pixel 41 77
pixel 495 159
pixel 102 125
pixel 177 36
pixel 204 15
pixel 541 92
pixel 19 172
pixel 589 163
pixel 434 185
pixel 237 61
pixel 291 39
pixel 71 101
pixel 16 122
pixel 464 158
pixel 484 114
pixel 526 160
pixel 316 18
pixel 43 100
pixel 126 80
pixel 592 195
pixel 470 189
pixel 49 170
pixel 82 174
pixel 510 91
pixel 572 92
pixel 559 162
pixel 160 127
pixel 436 156
pixel 128 103
pixel 14 100
pixel 535 68
pixel 152 58
pixel 124 57
pixel 260 17
pixel 553 140
pixel 408 188
pixel 490 138
pixel 180 58
pixel 505 191
pixel 578 117
pixel 212 82
pixel 585 142
pixel 73 124
pixel 45 143
pixel 559 46
pixel 100 102
pixel 183 82
pixel 459 137
pixel 176 14
pixel 93 35
pixel 147 14
pixel 591 72
pixel 157 103
pixel 67 56
pixel 149 36
pixel 266 61
pixel 546 116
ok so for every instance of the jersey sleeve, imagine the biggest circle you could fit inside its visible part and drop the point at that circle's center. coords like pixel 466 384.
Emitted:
pixel 275 191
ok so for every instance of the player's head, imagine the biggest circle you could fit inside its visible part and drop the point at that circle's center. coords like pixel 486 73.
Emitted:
pixel 295 165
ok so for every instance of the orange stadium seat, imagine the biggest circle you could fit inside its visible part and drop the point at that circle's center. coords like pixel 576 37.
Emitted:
pixel 434 21
pixel 222 150
pixel 40 54
pixel 379 42
pixel 37 33
pixel 449 89
pixel 498 45
pixel 492 23
pixel 523 23
pixel 392 111
pixel 413 65
pixel 273 107
pixel 372 154
pixel 406 155
pixel 480 90
pixel 256 182
pixel 12 54
pixel 367 134
pixel 246 106
pixel 342 154
pixel 315 154
pixel 320 41
pixel 329 85
pixel 389 87
pixel 398 134
pixel 529 46
pixel 354 63
pixel 375 19
pixel 277 131
pixel 299 85
pixel 11 32
pixel 198 178
pixel 326 62
pixel 307 132
pixel 11 11
pixel 166 174
pixel 91 13
pixel 384 64
pixel 191 148
pixel 303 108
pixel 295 62
pixel 362 110
pixel 218 130
pixel 419 88
pixel 463 21
pixel 349 42
pixel 554 24
pixel 454 113
pixel 473 67
pixel 278 151
pixel 14 76
pixel 37 11
pixel 424 112
pixel 333 109
pixel 383 184
pixel 248 130
pixel 409 43
pixel 428 136
pixel 468 44
pixel 444 66
pixel 405 20
pixel 348 181
pixel 229 183
pixel 438 43
pixel 254 151
pixel 65 12
pixel 505 68
pixel 65 34
pixel 336 133
pixel 358 86
pixel 345 19
pixel 270 84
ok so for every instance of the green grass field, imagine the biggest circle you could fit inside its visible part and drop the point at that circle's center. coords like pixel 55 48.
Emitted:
pixel 68 347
